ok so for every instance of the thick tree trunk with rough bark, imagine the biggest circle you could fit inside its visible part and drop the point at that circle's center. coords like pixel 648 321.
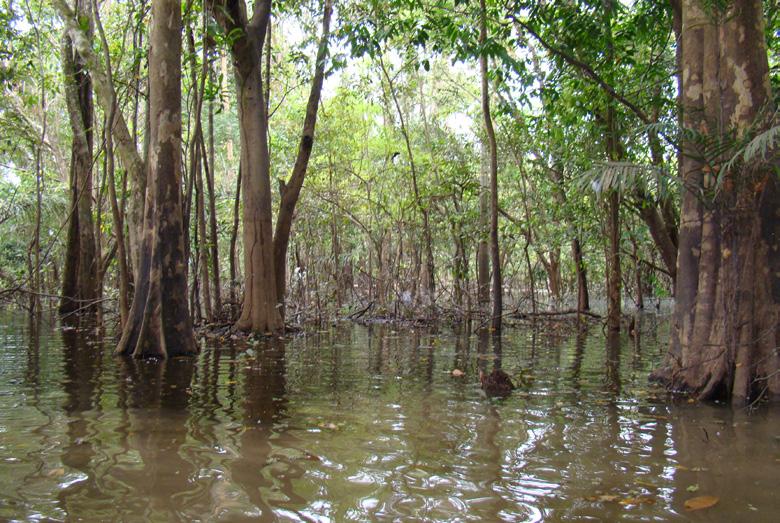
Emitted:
pixel 79 283
pixel 159 323
pixel 292 190
pixel 725 333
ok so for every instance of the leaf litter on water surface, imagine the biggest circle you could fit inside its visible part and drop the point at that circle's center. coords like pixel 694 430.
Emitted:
pixel 701 502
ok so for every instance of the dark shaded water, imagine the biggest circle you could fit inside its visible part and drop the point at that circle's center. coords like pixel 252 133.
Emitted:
pixel 356 423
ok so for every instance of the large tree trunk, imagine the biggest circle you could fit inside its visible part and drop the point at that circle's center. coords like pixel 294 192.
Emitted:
pixel 292 190
pixel 79 284
pixel 159 324
pixel 725 330
pixel 260 311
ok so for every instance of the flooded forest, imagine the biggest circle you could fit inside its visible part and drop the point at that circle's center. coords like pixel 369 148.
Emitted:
pixel 389 260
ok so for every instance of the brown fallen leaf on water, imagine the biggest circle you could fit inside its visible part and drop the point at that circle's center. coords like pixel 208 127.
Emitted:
pixel 639 500
pixel 701 502
pixel 646 484
pixel 604 498
pixel 55 473
pixel 457 373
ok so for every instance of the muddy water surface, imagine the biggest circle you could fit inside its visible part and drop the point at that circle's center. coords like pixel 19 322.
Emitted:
pixel 368 423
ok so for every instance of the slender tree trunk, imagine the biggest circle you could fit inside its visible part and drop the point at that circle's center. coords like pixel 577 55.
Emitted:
pixel 119 231
pixel 106 98
pixel 530 268
pixel 483 250
pixel 430 275
pixel 203 255
pixel 79 285
pixel 725 330
pixel 106 85
pixel 583 300
pixel 159 323
pixel 640 299
pixel 660 233
pixel 233 240
pixel 614 154
pixel 495 257
pixel 213 237
pixel 292 190
pixel 613 260
pixel 260 310
pixel 197 161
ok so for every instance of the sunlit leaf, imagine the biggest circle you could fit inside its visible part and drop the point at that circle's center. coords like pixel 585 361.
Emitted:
pixel 701 502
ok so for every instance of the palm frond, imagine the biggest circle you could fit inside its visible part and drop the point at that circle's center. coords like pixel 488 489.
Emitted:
pixel 760 148
pixel 627 178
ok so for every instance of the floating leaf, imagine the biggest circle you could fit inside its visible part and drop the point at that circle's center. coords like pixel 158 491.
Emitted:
pixel 603 498
pixel 693 488
pixel 639 500
pixel 55 473
pixel 645 484
pixel 701 502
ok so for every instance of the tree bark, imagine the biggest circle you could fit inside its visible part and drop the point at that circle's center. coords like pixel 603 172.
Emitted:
pixel 614 153
pixel 197 159
pixel 79 285
pixel 233 240
pixel 725 326
pixel 583 300
pixel 292 189
pixel 260 310
pixel 495 258
pixel 213 236
pixel 430 269
pixel 159 323
pixel 660 232
pixel 106 98
pixel 483 251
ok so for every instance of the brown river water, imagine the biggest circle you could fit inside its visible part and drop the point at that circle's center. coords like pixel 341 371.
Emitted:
pixel 355 423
